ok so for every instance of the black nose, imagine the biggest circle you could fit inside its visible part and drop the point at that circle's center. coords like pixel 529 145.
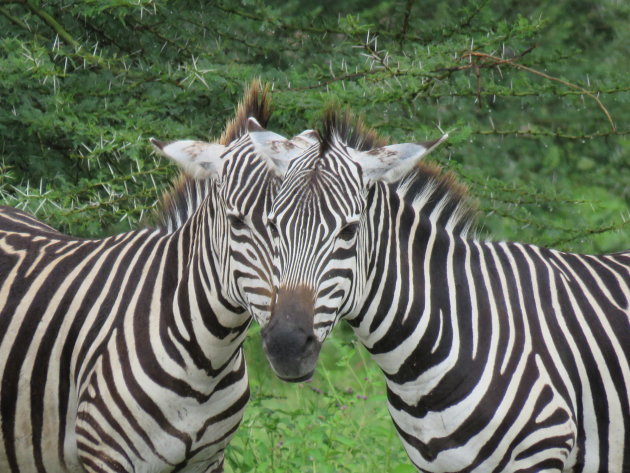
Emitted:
pixel 289 338
pixel 285 340
pixel 291 350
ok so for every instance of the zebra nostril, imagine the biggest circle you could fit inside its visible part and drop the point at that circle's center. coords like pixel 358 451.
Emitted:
pixel 289 344
pixel 291 351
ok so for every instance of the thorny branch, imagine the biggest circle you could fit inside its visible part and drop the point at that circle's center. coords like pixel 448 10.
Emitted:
pixel 52 23
pixel 14 19
pixel 476 61
pixel 326 30
pixel 465 23
pixel 590 232
pixel 491 61
pixel 555 134
pixel 405 26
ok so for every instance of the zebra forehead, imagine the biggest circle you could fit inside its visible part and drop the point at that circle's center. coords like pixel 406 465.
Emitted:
pixel 320 183
pixel 308 210
pixel 323 168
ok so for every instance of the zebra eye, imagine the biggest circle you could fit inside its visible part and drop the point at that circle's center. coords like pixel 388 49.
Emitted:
pixel 348 231
pixel 237 222
pixel 272 228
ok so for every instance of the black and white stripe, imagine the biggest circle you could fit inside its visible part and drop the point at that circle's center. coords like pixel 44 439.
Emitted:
pixel 499 357
pixel 124 354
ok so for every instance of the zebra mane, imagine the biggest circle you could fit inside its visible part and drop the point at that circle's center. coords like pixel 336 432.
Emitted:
pixel 349 129
pixel 186 194
pixel 440 196
pixel 428 188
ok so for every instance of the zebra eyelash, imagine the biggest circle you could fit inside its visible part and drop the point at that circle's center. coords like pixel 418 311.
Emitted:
pixel 237 221
pixel 273 229
pixel 348 231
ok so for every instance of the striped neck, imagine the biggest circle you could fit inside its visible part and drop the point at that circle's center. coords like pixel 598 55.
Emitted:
pixel 403 309
pixel 205 326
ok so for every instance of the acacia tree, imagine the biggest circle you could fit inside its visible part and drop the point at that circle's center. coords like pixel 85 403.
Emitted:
pixel 535 100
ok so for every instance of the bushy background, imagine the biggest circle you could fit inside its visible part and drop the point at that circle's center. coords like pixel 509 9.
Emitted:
pixel 535 96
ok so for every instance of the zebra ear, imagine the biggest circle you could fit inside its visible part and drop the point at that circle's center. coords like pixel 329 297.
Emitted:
pixel 390 163
pixel 306 139
pixel 278 150
pixel 197 159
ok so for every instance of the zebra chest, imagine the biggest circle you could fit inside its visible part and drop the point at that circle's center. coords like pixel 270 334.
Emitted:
pixel 128 421
pixel 158 436
pixel 433 439
pixel 494 427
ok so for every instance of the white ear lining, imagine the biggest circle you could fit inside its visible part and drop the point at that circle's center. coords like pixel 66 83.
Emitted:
pixel 197 159
pixel 276 148
pixel 390 163
pixel 306 139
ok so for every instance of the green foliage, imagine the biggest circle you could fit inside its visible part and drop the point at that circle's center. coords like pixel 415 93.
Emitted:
pixel 338 422
pixel 534 95
pixel 535 99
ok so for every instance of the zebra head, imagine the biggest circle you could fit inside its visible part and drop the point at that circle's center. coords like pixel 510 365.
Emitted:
pixel 320 223
pixel 233 186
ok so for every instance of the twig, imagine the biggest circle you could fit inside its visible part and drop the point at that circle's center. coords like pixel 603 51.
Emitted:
pixel 405 26
pixel 510 62
pixel 356 75
pixel 50 21
pixel 587 233
pixel 555 134
pixel 14 19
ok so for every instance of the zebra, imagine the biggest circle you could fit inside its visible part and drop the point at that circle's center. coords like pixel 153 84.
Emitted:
pixel 498 356
pixel 123 354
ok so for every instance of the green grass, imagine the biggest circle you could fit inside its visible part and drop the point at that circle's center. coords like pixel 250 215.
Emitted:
pixel 338 422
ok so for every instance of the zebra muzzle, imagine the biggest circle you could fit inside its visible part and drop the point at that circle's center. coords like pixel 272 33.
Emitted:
pixel 289 339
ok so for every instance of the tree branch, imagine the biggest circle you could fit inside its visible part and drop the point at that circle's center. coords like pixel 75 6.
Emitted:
pixel 494 60
pixel 405 26
pixel 589 232
pixel 14 19
pixel 555 134
pixel 307 28
pixel 50 21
